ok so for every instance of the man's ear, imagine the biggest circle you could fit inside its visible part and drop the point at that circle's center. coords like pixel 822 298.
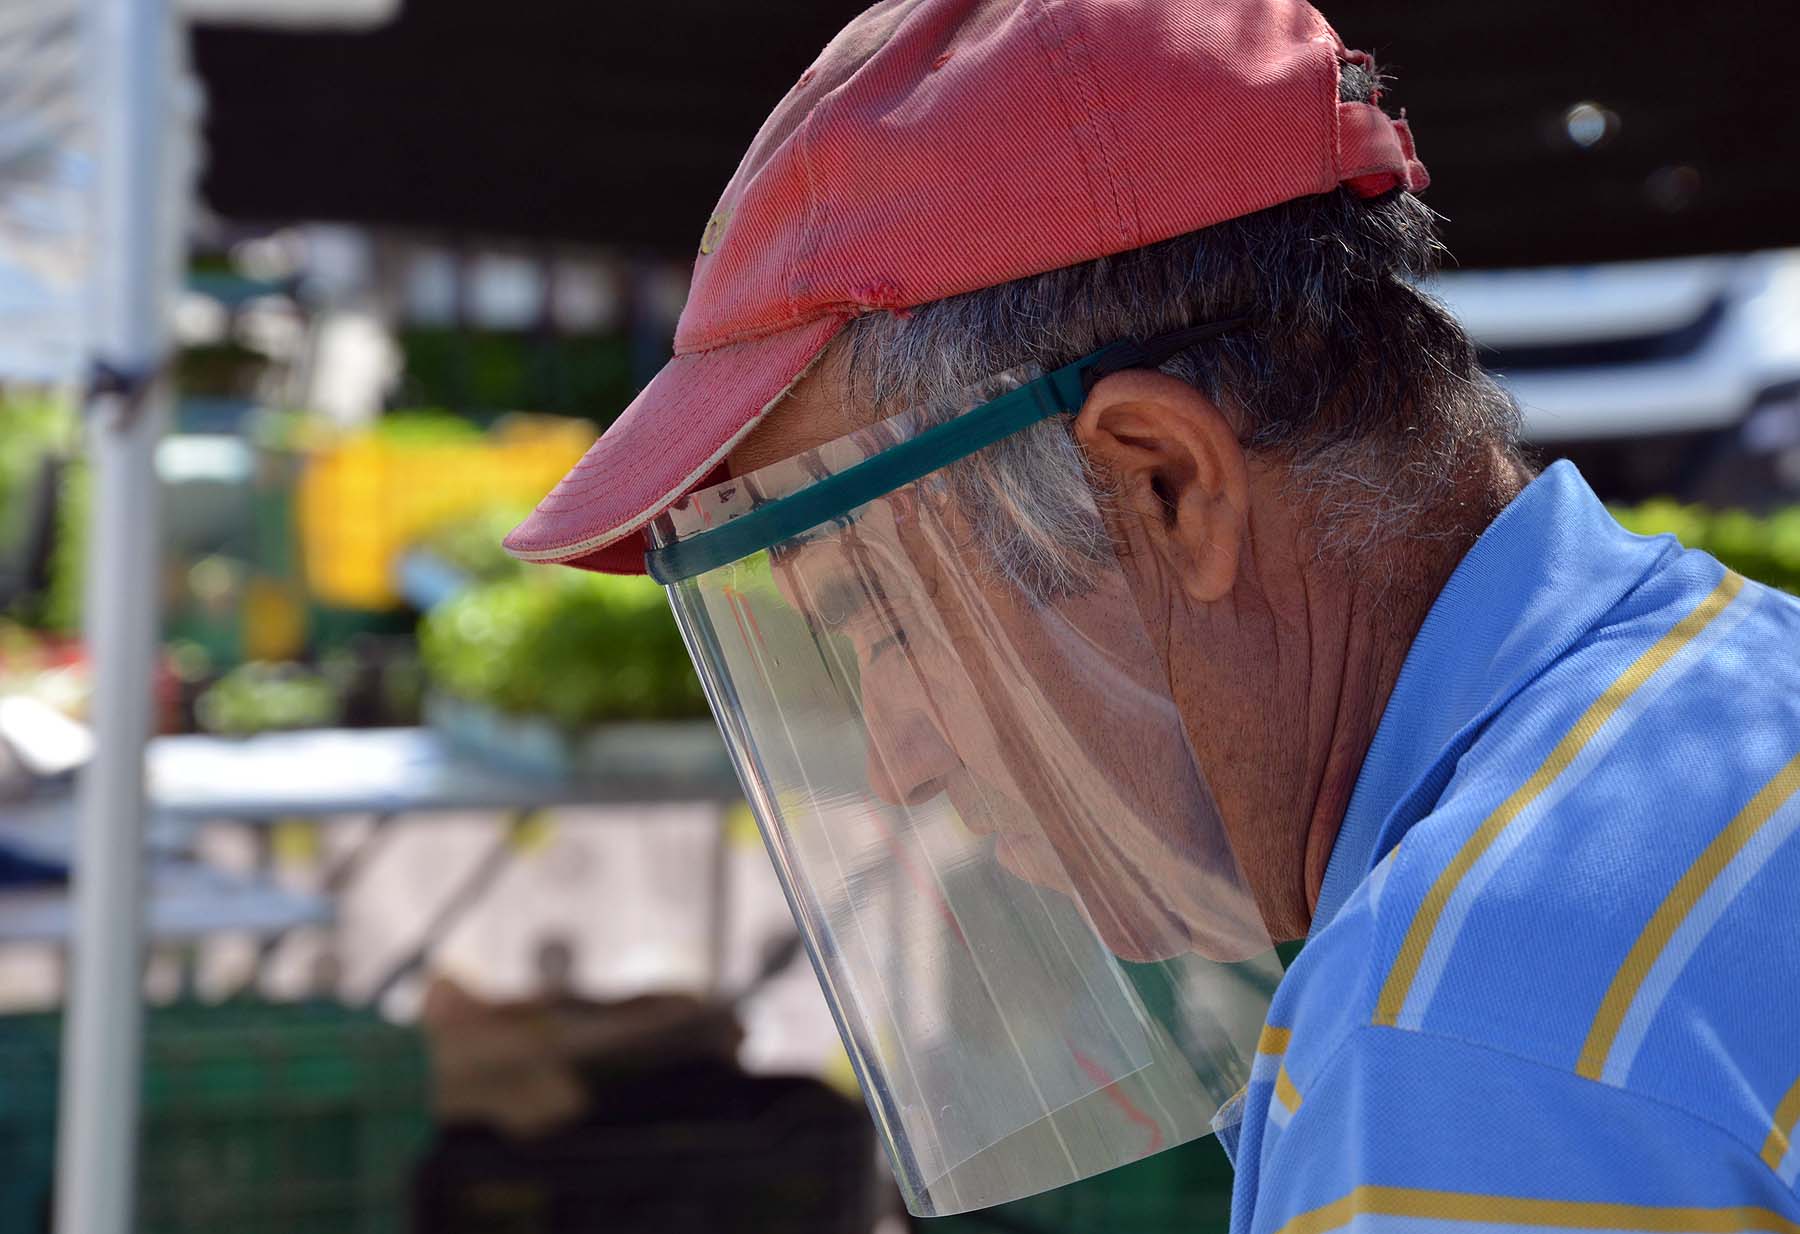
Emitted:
pixel 1179 468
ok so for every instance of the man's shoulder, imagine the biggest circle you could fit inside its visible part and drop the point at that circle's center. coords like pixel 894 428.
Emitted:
pixel 1606 884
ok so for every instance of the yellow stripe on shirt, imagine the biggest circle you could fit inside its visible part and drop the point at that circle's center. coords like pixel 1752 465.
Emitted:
pixel 1548 1214
pixel 1285 1092
pixel 1674 909
pixel 1273 1040
pixel 1781 1129
pixel 1418 936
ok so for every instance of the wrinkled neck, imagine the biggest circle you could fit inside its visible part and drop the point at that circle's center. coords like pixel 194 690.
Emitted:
pixel 1387 602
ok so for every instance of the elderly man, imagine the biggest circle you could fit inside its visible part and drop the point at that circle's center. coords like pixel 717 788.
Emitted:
pixel 1103 559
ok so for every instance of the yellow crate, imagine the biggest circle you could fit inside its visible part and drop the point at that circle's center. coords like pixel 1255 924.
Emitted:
pixel 363 500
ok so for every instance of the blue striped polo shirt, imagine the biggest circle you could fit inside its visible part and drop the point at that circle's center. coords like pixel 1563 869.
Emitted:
pixel 1554 975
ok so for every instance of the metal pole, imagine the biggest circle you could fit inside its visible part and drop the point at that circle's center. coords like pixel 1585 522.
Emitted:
pixel 129 56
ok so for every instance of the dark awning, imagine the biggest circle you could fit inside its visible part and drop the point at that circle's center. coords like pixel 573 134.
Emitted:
pixel 619 123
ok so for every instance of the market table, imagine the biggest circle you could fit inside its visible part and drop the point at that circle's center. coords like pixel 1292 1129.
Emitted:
pixel 336 773
pixel 185 901
pixel 408 770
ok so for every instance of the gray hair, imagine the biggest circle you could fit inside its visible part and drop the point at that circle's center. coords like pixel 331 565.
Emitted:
pixel 1362 385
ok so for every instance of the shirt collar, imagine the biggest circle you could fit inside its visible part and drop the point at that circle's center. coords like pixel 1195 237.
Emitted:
pixel 1542 574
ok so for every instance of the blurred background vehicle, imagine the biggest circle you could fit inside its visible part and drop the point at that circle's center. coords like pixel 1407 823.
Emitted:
pixel 1678 376
pixel 454 920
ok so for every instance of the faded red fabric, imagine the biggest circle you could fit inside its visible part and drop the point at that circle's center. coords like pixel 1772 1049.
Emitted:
pixel 941 146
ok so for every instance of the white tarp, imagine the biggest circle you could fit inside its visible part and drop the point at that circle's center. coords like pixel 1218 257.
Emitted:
pixel 44 179
pixel 46 170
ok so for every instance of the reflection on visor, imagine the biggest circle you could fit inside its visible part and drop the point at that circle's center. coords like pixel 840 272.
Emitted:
pixel 987 818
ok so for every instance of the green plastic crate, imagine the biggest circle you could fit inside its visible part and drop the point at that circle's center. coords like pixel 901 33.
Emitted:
pixel 278 1118
pixel 27 1119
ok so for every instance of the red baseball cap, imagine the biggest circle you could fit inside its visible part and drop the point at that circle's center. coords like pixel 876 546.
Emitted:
pixel 942 146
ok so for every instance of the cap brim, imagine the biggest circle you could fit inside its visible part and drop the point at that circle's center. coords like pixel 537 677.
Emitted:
pixel 674 434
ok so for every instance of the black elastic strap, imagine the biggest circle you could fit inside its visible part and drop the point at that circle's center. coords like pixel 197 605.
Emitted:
pixel 1155 352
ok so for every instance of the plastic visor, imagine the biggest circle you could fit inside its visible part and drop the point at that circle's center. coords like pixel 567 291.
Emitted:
pixel 982 805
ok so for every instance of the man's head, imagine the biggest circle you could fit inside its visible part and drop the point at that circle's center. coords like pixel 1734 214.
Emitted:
pixel 960 188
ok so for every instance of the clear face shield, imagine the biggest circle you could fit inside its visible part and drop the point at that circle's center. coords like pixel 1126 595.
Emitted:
pixel 979 796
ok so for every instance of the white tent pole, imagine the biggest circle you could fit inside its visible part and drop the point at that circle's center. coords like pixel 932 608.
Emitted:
pixel 128 57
